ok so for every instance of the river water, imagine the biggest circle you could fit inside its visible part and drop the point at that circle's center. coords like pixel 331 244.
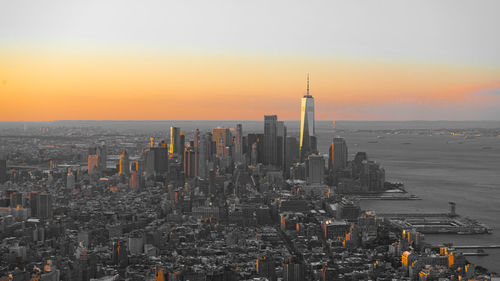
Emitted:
pixel 438 169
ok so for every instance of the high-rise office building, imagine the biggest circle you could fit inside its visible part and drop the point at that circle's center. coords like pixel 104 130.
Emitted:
pixel 337 155
pixel 190 164
pixel 196 138
pixel 156 158
pixel 175 140
pixel 204 148
pixel 292 150
pixel 357 163
pixel 257 139
pixel 196 147
pixel 270 139
pixel 254 158
pixel 222 139
pixel 3 170
pixel 238 143
pixel 315 169
pixel 44 206
pixel 281 145
pixel 124 163
pixel 102 156
pixel 372 177
pixel 33 199
pixel 70 180
pixel 92 163
pixel 97 158
pixel 306 123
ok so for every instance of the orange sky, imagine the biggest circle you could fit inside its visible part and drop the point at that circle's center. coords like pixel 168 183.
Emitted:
pixel 48 85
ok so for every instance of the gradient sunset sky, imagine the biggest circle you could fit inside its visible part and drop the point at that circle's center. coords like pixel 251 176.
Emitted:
pixel 239 60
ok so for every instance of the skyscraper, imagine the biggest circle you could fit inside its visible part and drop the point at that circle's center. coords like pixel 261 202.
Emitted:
pixel 258 140
pixel 281 145
pixel 190 164
pixel 44 206
pixel 196 138
pixel 70 180
pixel 270 139
pixel 3 170
pixel 175 140
pixel 156 158
pixel 337 155
pixel 306 123
pixel 221 137
pixel 124 163
pixel 315 169
pixel 238 143
pixel 196 147
pixel 292 150
pixel 97 158
pixel 204 155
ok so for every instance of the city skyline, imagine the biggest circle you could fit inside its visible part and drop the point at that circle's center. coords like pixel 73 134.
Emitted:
pixel 240 141
pixel 204 61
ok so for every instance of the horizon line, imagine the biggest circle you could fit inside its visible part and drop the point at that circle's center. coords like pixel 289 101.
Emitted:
pixel 243 120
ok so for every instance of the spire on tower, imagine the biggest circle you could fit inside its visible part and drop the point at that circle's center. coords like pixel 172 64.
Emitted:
pixel 308 84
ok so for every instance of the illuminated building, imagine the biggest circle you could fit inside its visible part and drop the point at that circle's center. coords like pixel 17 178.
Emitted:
pixel 270 139
pixel 306 123
pixel 92 163
pixel 175 140
pixel 315 169
pixel 97 158
pixel 124 163
pixel 134 179
pixel 337 155
pixel 266 267
pixel 335 229
pixel 190 162
pixel 221 137
pixel 182 141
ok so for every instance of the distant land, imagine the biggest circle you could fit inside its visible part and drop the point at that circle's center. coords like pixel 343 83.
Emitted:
pixel 292 125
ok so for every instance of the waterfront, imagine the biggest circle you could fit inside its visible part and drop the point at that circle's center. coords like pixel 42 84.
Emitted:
pixel 439 169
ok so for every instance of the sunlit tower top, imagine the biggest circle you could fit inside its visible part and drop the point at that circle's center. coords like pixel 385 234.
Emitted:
pixel 306 123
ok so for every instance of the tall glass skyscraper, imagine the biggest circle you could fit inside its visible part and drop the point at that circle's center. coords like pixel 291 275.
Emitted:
pixel 270 139
pixel 306 123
